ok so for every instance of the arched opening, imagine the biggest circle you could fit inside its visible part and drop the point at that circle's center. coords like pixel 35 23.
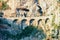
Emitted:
pixel 40 10
pixel 17 12
pixel 14 23
pixel 15 20
pixel 46 20
pixel 31 21
pixel 23 23
pixel 39 21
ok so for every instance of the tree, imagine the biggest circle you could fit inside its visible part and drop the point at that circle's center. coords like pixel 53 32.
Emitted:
pixel 56 28
pixel 3 5
pixel 31 31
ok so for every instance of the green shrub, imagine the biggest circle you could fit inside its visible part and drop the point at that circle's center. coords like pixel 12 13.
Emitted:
pixel 4 5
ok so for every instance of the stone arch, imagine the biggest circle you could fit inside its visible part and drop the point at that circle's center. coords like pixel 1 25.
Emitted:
pixel 23 23
pixel 39 21
pixel 31 21
pixel 14 23
pixel 46 20
pixel 15 20
pixel 17 12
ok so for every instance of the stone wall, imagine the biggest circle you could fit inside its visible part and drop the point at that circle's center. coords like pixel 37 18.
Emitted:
pixel 48 7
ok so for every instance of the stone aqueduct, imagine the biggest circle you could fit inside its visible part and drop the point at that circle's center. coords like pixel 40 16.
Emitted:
pixel 33 8
pixel 32 20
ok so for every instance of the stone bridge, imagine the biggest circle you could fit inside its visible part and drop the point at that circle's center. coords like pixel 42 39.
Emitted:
pixel 32 20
